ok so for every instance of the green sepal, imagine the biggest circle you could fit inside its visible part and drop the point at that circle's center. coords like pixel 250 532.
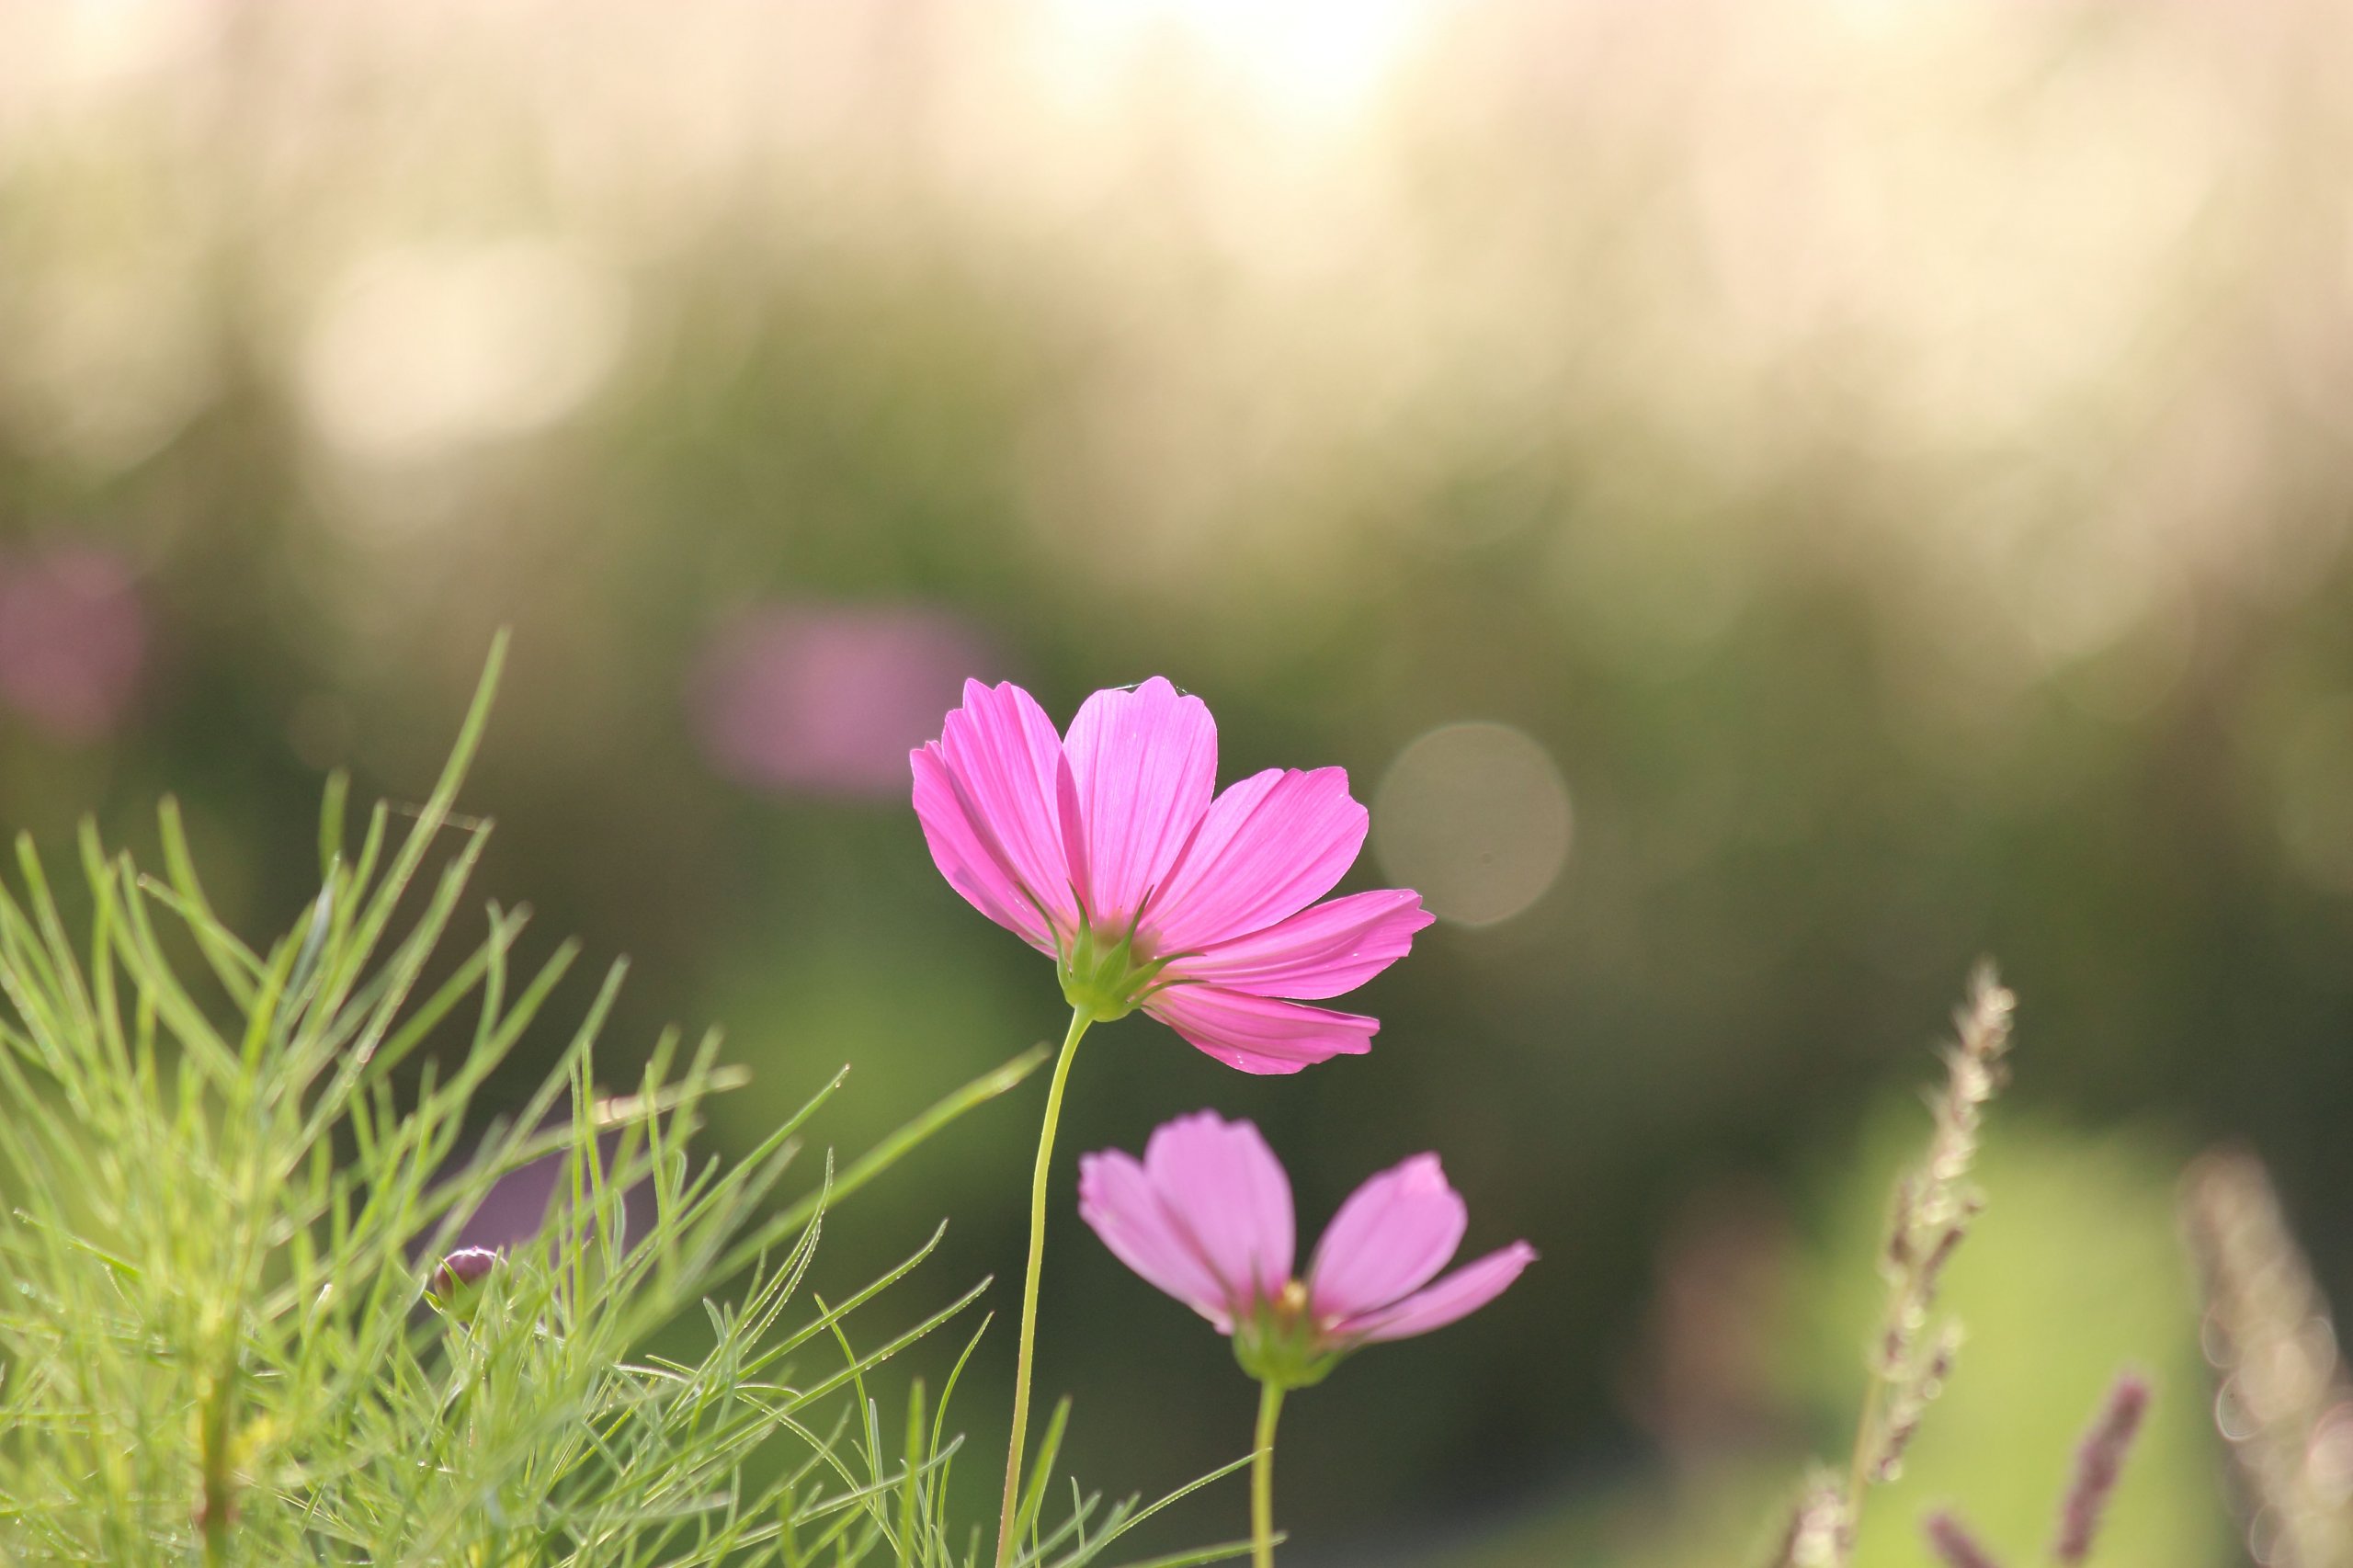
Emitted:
pixel 1103 980
pixel 1279 1343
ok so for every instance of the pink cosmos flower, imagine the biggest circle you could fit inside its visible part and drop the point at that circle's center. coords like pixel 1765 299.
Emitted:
pixel 1104 848
pixel 1205 1215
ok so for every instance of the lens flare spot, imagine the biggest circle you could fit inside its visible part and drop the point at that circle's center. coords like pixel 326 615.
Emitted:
pixel 1474 816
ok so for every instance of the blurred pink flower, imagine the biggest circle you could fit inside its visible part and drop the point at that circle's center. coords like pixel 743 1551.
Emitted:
pixel 73 639
pixel 1104 848
pixel 515 1210
pixel 826 700
pixel 1205 1215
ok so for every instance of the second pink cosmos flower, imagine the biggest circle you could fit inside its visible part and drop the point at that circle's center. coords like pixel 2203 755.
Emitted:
pixel 1205 1215
pixel 1107 849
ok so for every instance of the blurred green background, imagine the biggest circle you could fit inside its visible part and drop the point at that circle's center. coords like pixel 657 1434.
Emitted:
pixel 1769 501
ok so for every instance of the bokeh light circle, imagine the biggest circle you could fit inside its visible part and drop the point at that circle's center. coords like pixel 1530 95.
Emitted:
pixel 1475 818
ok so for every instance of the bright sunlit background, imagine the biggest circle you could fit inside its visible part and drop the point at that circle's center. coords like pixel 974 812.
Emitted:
pixel 1767 500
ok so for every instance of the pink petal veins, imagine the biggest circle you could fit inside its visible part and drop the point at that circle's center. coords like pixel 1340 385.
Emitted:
pixel 1457 1295
pixel 1225 1189
pixel 1118 1198
pixel 1325 950
pixel 1389 1239
pixel 1268 847
pixel 964 856
pixel 1255 1034
pixel 1002 757
pixel 1142 765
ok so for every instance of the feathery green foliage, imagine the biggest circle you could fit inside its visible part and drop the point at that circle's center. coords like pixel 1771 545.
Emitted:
pixel 225 1205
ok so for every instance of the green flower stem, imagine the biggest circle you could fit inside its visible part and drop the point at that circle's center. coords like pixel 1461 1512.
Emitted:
pixel 1262 1477
pixel 1079 1018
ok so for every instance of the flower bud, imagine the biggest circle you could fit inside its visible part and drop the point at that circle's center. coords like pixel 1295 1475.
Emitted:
pixel 456 1286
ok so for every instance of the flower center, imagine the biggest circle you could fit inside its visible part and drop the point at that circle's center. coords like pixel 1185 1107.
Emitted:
pixel 1105 977
pixel 1279 1340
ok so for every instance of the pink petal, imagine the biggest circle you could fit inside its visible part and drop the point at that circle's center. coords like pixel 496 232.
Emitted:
pixel 964 858
pixel 1388 1239
pixel 1142 766
pixel 1224 1189
pixel 1325 950
pixel 1269 847
pixel 1460 1294
pixel 1002 755
pixel 1118 1198
pixel 1258 1035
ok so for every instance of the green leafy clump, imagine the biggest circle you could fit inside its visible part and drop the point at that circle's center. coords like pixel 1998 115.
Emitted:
pixel 227 1210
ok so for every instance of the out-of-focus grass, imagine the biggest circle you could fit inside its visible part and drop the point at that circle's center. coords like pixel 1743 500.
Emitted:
pixel 2074 1272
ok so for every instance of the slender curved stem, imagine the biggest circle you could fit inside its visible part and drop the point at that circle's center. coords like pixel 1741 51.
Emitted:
pixel 1262 1478
pixel 1079 1019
